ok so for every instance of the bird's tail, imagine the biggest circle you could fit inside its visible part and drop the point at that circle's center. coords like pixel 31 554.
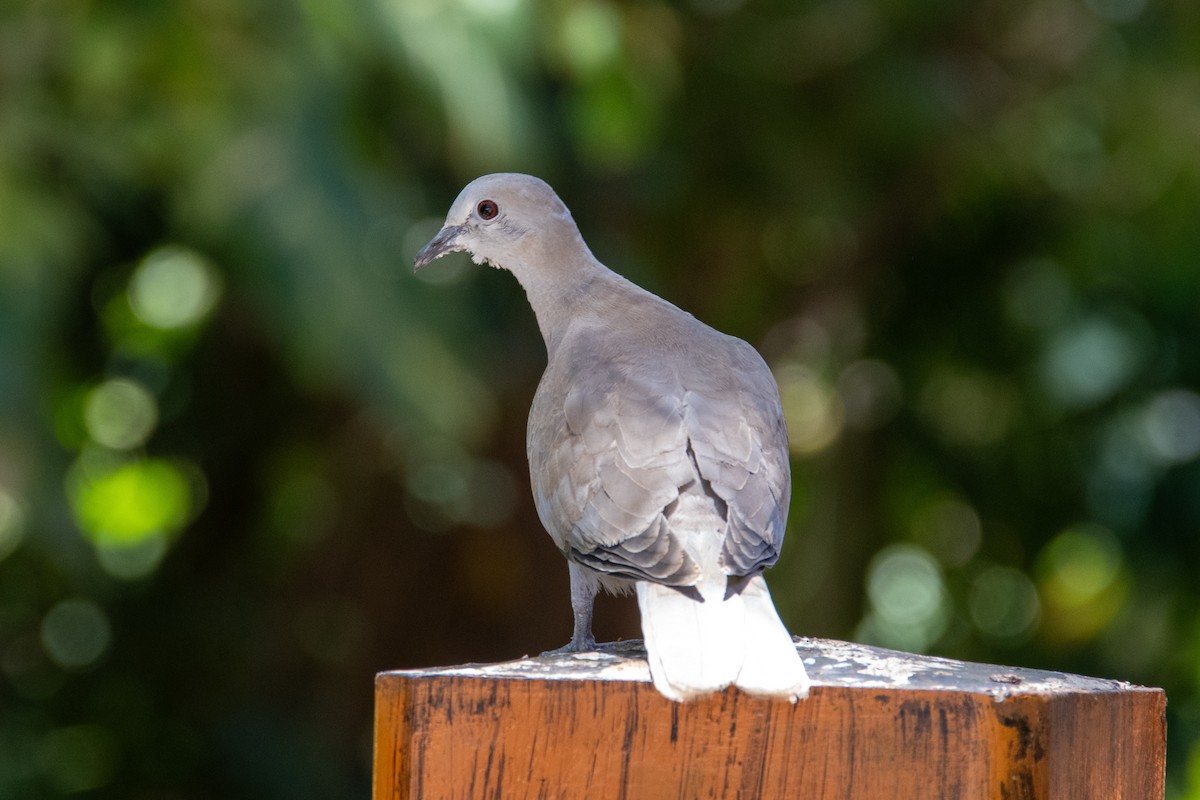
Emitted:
pixel 698 647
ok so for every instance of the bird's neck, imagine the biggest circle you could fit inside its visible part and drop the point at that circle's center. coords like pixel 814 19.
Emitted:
pixel 558 288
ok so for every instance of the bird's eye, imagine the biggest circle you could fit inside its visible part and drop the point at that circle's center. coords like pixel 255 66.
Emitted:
pixel 487 209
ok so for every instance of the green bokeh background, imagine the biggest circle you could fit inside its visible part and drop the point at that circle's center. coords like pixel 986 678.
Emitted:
pixel 247 459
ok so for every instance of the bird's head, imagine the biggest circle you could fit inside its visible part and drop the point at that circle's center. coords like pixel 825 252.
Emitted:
pixel 502 219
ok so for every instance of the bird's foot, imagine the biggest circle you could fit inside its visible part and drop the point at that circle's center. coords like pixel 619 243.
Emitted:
pixel 574 646
pixel 588 645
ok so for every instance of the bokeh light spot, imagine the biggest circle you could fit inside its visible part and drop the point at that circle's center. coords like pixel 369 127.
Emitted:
pixel 1080 563
pixel 812 409
pixel 1171 426
pixel 448 487
pixel 1081 580
pixel 969 409
pixel 123 505
pixel 12 523
pixel 173 287
pixel 905 584
pixel 1003 603
pixel 950 528
pixel 120 414
pixel 75 633
pixel 907 598
pixel 590 37
pixel 1089 361
pixel 438 484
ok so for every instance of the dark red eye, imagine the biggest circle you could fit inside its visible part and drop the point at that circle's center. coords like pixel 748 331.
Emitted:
pixel 487 209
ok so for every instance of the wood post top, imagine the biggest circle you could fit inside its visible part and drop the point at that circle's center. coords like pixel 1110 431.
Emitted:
pixel 830 663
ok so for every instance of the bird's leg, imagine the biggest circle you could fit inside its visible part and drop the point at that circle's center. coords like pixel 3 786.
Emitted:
pixel 583 597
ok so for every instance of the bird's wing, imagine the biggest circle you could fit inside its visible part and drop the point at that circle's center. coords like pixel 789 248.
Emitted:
pixel 736 428
pixel 608 452
pixel 613 440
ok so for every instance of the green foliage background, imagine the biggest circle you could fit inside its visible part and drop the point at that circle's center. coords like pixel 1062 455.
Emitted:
pixel 247 459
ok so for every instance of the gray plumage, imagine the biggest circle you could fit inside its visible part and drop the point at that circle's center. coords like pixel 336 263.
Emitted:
pixel 657 449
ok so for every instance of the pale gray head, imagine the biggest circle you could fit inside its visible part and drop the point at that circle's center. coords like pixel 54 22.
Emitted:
pixel 503 219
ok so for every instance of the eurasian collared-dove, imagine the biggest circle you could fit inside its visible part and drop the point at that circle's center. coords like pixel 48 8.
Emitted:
pixel 657 450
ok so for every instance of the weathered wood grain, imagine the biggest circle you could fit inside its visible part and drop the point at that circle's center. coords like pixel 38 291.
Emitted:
pixel 878 725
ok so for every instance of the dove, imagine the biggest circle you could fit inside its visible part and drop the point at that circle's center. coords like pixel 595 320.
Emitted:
pixel 658 452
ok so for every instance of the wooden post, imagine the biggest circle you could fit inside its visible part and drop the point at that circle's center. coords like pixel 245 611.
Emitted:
pixel 878 725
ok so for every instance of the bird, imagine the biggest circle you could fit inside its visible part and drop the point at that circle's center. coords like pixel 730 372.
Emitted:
pixel 657 447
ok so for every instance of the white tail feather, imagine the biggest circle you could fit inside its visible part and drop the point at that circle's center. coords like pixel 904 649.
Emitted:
pixel 695 648
pixel 771 664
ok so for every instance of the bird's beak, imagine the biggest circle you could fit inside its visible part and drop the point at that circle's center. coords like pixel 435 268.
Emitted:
pixel 445 242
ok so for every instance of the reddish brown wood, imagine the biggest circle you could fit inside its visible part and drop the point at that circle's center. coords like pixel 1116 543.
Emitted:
pixel 445 734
